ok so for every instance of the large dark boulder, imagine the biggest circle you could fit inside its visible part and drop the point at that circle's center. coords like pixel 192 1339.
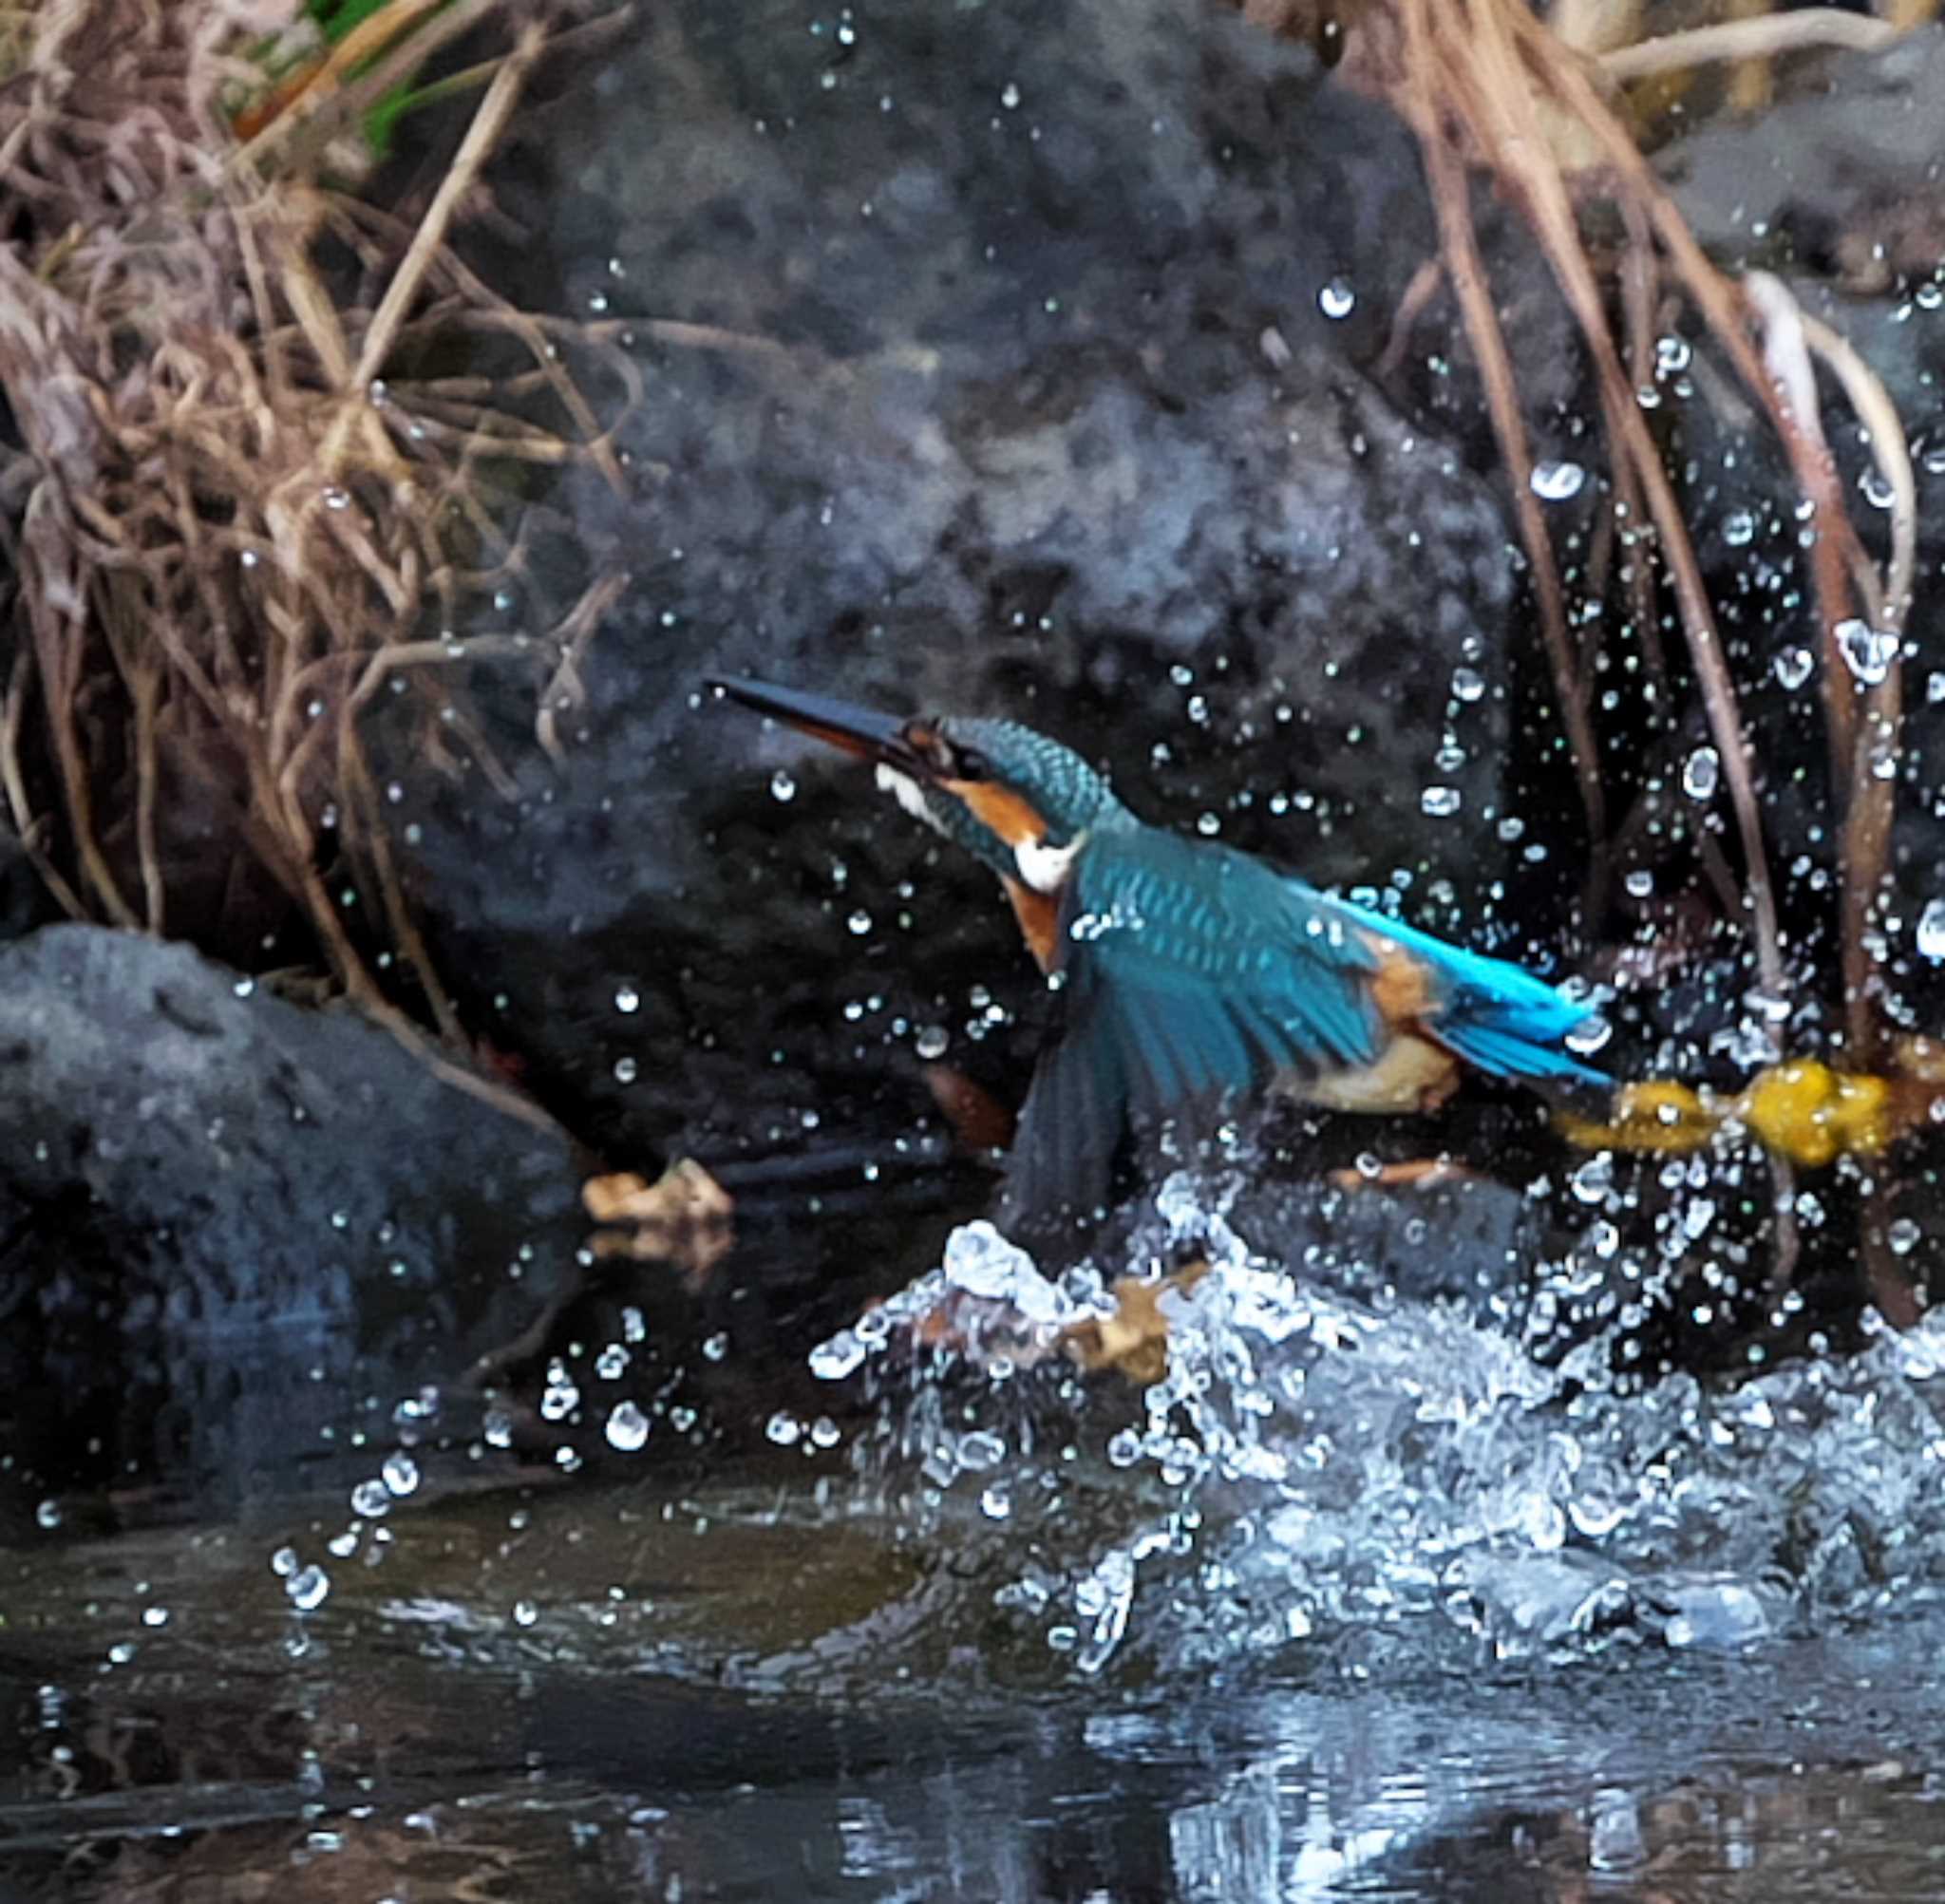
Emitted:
pixel 999 359
pixel 234 1232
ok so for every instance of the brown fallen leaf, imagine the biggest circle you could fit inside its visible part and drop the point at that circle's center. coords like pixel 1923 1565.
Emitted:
pixel 683 1217
pixel 1134 1340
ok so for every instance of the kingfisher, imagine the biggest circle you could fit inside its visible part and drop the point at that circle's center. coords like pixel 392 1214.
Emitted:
pixel 1189 970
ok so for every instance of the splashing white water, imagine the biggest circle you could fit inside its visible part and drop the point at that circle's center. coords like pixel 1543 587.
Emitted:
pixel 1309 1463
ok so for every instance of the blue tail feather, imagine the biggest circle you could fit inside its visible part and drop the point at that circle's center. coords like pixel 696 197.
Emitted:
pixel 1505 1054
pixel 1496 1016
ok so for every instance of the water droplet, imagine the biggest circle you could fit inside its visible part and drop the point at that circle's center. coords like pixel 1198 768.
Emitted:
pixel 308 1587
pixel 48 1515
pixel 335 497
pixel 1739 528
pixel 833 1360
pixel 1557 481
pixel 627 999
pixel 784 1429
pixel 782 787
pixel 1932 929
pixel 1876 488
pixel 1336 299
pixel 932 1041
pixel 1867 651
pixel 370 1499
pixel 1671 355
pixel 1467 683
pixel 1594 1179
pixel 560 1397
pixel 1793 666
pixel 1639 884
pixel 1010 96
pixel 1588 1035
pixel 1701 773
pixel 1615 1841
pixel 401 1473
pixel 859 923
pixel 1441 803
pixel 524 1612
pixel 1903 1236
pixel 627 1428
pixel 626 1070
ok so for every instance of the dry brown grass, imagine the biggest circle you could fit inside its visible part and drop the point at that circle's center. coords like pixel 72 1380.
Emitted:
pixel 239 508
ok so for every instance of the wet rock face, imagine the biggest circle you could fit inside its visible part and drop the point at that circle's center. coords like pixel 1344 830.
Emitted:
pixel 1013 377
pixel 224 1221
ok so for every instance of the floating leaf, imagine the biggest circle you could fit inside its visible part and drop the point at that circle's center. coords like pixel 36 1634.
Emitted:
pixel 1134 1340
pixel 683 1218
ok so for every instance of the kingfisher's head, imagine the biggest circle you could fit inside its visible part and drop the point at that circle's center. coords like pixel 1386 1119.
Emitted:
pixel 1024 805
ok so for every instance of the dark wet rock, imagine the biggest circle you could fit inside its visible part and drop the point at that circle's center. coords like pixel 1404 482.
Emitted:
pixel 1817 177
pixel 25 902
pixel 1465 1239
pixel 1023 406
pixel 232 1230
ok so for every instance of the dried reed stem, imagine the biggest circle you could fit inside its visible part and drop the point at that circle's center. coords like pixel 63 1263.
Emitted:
pixel 1451 201
pixel 1757 39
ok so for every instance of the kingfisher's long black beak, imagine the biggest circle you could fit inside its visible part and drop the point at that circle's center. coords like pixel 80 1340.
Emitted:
pixel 856 730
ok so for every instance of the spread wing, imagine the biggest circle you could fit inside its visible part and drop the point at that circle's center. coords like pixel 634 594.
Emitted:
pixel 1188 971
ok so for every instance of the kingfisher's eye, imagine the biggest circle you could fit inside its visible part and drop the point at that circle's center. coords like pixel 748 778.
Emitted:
pixel 969 764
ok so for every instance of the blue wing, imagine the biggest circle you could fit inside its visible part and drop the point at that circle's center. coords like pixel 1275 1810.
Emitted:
pixel 1189 969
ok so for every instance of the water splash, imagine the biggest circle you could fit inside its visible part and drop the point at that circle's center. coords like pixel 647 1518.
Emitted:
pixel 1312 1464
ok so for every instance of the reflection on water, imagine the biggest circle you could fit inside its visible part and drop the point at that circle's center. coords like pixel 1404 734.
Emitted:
pixel 410 1745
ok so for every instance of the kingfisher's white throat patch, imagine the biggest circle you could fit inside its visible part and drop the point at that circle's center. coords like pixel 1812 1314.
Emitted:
pixel 1046 868
pixel 909 794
